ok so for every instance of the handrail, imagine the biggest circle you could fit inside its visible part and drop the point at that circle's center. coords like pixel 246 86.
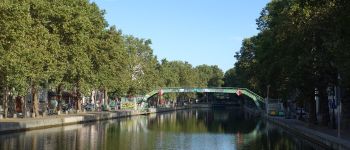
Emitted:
pixel 245 91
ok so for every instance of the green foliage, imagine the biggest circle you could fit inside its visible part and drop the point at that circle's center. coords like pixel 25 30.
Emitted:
pixel 109 62
pixel 210 76
pixel 141 65
pixel 231 78
pixel 246 64
pixel 67 42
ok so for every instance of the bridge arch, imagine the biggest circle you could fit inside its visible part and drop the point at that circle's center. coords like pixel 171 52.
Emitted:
pixel 258 100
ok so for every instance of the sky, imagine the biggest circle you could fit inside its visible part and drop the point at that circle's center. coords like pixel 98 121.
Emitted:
pixel 197 31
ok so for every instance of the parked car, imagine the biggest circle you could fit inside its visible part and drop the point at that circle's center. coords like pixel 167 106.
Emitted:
pixel 301 112
pixel 89 107
pixel 66 107
pixel 276 109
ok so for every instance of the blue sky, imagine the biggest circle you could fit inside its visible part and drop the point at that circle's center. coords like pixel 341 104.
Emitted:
pixel 196 31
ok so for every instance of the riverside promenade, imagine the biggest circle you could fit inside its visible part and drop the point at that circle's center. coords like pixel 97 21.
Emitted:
pixel 321 135
pixel 23 124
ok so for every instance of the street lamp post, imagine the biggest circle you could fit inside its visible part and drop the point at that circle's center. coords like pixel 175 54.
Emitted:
pixel 207 98
pixel 267 101
pixel 339 104
pixel 267 113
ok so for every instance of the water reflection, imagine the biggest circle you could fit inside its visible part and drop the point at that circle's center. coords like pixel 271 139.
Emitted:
pixel 187 129
pixel 203 121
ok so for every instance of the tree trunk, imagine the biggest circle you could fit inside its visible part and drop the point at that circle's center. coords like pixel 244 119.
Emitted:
pixel 106 96
pixel 59 96
pixel 24 106
pixel 12 101
pixel 79 99
pixel 312 108
pixel 323 106
pixel 35 101
pixel 5 102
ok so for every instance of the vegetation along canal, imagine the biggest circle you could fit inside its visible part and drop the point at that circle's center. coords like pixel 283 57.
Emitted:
pixel 184 129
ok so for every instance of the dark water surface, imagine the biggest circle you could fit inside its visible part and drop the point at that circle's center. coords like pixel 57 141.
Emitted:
pixel 187 129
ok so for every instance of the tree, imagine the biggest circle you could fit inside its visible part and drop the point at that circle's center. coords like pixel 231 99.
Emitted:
pixel 216 79
pixel 210 76
pixel 109 62
pixel 26 51
pixel 230 78
pixel 295 52
pixel 77 24
pixel 141 65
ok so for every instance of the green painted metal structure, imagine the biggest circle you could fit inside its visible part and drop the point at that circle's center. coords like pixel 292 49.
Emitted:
pixel 258 100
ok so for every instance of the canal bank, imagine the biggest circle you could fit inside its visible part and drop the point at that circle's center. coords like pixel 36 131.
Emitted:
pixel 185 129
pixel 321 135
pixel 24 124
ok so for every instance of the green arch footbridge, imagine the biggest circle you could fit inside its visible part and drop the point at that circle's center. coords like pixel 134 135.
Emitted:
pixel 258 100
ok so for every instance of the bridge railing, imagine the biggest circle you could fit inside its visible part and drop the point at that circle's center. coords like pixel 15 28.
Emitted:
pixel 253 93
pixel 203 89
pixel 258 100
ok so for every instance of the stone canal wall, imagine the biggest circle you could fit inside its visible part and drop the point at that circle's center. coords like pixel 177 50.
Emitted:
pixel 201 106
pixel 23 124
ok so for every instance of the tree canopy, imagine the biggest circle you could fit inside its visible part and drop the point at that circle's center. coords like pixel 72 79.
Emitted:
pixel 299 52
pixel 69 44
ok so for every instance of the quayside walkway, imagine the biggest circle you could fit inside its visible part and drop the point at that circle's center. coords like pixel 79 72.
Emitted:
pixel 322 135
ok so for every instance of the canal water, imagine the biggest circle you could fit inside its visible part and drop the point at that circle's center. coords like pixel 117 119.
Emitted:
pixel 197 129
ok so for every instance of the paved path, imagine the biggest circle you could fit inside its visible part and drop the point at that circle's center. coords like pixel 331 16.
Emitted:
pixel 322 135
